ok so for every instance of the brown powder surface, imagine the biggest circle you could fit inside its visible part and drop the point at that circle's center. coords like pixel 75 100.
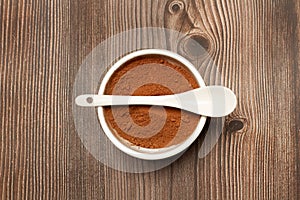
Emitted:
pixel 177 125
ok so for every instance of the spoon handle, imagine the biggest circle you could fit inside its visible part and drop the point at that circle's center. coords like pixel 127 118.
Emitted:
pixel 91 100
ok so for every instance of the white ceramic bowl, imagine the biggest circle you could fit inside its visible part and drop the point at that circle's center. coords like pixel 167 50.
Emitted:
pixel 147 153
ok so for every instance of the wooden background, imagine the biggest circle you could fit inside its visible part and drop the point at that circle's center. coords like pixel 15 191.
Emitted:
pixel 255 43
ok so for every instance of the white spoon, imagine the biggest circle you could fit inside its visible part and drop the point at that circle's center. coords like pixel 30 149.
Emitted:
pixel 212 101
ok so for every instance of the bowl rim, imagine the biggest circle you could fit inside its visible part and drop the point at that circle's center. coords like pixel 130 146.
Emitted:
pixel 146 153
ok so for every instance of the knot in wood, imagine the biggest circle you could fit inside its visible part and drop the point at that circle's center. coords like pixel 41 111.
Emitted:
pixel 235 125
pixel 176 7
pixel 196 45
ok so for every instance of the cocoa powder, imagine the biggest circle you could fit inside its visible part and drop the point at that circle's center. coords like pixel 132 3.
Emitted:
pixel 146 126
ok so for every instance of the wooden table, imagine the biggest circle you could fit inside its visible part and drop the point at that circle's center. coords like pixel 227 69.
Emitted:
pixel 256 46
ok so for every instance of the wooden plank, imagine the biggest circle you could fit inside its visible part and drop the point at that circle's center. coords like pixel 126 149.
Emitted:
pixel 34 143
pixel 254 44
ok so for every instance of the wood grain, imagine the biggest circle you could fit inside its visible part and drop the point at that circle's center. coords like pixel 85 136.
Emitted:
pixel 255 45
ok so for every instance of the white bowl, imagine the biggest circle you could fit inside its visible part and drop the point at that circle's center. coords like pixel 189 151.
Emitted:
pixel 147 153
